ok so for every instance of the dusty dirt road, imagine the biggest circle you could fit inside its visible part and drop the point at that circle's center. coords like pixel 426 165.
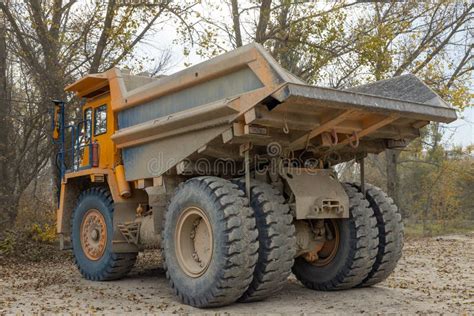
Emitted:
pixel 435 275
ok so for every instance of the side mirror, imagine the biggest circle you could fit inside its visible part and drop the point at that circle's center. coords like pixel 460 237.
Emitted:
pixel 57 109
pixel 56 119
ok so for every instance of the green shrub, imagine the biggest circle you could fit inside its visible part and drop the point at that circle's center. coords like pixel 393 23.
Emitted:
pixel 7 243
pixel 43 233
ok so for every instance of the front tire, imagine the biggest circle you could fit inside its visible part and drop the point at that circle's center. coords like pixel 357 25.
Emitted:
pixel 209 242
pixel 356 249
pixel 91 235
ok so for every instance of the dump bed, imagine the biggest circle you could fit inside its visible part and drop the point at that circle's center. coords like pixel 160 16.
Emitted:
pixel 244 97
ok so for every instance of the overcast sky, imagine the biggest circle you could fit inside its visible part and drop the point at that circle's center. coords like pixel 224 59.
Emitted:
pixel 460 132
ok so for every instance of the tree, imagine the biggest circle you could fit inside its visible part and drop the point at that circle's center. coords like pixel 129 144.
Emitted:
pixel 27 143
pixel 342 43
pixel 436 181
pixel 52 43
pixel 421 45
pixel 303 37
pixel 4 110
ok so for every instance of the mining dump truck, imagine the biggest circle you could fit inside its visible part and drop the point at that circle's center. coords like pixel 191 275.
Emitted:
pixel 230 168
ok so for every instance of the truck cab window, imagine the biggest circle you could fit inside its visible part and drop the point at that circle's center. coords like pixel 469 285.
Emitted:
pixel 100 120
pixel 88 123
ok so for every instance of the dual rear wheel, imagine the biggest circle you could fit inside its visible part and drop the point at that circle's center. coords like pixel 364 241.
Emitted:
pixel 363 249
pixel 219 248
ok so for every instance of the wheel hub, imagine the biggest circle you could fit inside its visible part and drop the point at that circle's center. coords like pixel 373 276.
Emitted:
pixel 93 234
pixel 193 241
pixel 324 253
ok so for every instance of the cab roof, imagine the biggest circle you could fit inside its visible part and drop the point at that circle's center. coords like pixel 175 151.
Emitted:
pixel 90 85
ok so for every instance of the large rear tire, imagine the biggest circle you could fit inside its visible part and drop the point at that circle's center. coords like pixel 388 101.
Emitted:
pixel 353 250
pixel 277 242
pixel 209 242
pixel 91 235
pixel 390 227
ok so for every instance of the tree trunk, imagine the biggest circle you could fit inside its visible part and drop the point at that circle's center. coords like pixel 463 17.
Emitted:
pixel 9 210
pixel 5 192
pixel 236 23
pixel 4 100
pixel 393 189
pixel 264 18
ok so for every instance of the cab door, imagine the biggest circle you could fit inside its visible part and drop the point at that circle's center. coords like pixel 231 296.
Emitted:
pixel 103 127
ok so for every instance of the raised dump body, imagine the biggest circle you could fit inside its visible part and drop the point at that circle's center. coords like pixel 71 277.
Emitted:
pixel 231 96
pixel 236 154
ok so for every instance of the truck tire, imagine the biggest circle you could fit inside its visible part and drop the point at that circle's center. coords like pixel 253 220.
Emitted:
pixel 390 227
pixel 91 235
pixel 277 242
pixel 209 242
pixel 353 251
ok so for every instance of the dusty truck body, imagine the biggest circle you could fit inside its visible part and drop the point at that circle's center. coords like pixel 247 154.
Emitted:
pixel 227 168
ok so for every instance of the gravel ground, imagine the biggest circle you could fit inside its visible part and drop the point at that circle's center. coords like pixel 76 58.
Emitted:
pixel 435 275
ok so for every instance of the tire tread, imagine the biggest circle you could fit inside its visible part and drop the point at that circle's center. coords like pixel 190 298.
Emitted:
pixel 241 244
pixel 363 247
pixel 276 238
pixel 390 227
